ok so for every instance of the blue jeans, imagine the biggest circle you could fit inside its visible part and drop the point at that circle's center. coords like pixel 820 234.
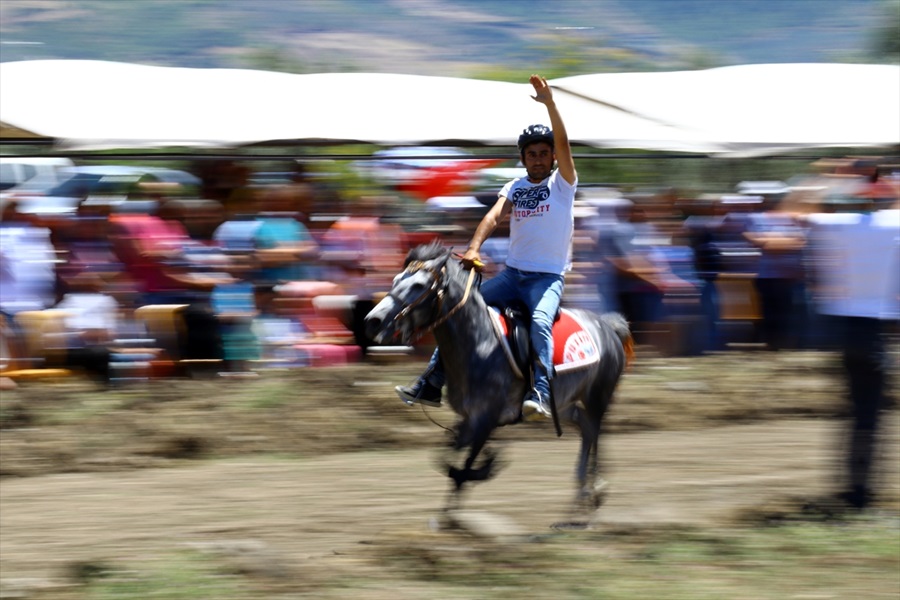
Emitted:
pixel 541 293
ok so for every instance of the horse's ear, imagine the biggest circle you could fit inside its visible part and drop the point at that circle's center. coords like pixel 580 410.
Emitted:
pixel 443 258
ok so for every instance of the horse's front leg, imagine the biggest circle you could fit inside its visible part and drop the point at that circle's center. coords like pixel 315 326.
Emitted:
pixel 472 434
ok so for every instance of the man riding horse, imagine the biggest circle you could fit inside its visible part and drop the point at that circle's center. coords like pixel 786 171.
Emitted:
pixel 540 207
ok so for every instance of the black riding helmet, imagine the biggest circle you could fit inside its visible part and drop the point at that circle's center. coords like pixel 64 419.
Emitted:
pixel 532 134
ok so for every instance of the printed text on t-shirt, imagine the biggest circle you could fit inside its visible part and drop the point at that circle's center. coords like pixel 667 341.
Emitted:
pixel 528 200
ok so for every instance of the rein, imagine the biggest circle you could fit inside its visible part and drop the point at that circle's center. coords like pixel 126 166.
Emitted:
pixel 418 266
pixel 458 306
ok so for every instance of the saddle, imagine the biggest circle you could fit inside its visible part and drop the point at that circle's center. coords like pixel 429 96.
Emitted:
pixel 518 336
pixel 573 347
pixel 517 320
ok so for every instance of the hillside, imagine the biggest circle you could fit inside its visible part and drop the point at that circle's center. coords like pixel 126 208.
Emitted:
pixel 440 37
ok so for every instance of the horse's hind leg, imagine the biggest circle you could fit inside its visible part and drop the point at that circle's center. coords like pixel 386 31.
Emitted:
pixel 590 492
pixel 586 469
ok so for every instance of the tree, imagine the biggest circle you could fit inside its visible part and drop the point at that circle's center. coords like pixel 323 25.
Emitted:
pixel 885 43
pixel 273 59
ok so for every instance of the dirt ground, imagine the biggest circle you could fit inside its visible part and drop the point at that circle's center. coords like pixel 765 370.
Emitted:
pixel 305 470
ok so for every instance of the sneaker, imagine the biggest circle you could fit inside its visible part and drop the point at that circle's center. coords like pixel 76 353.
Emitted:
pixel 421 392
pixel 534 407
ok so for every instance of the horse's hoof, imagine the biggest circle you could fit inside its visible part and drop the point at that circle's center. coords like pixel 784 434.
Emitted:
pixel 442 523
pixel 599 494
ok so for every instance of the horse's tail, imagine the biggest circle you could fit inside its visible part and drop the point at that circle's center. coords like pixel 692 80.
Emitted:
pixel 619 325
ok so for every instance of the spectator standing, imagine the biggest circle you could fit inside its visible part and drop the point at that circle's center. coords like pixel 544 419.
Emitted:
pixel 856 260
pixel 592 247
pixel 154 256
pixel 780 273
pixel 85 249
pixel 28 274
pixel 270 245
pixel 639 254
pixel 701 232
pixel 280 245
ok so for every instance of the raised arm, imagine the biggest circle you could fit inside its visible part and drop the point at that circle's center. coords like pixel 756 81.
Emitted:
pixel 564 161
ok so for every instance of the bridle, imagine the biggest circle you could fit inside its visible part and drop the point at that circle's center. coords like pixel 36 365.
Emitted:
pixel 438 290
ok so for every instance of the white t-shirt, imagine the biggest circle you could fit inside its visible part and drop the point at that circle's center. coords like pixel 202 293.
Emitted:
pixel 856 258
pixel 541 224
pixel 89 311
pixel 27 269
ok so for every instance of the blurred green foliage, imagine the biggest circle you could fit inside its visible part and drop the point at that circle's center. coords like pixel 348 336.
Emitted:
pixel 472 35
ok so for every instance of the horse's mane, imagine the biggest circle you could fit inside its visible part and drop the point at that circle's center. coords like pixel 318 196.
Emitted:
pixel 436 251
pixel 426 252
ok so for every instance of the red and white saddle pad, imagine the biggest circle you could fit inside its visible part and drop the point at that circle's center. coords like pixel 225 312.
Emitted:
pixel 573 346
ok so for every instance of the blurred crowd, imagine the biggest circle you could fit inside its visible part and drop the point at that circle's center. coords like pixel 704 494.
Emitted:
pixel 694 275
pixel 239 275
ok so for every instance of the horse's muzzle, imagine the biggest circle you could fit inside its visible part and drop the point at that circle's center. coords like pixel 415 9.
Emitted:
pixel 378 320
pixel 373 329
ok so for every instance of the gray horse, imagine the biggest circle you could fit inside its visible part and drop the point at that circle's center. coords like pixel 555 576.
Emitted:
pixel 483 384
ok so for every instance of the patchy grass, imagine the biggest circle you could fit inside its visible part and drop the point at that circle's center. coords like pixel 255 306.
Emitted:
pixel 852 559
pixel 855 558
pixel 68 426
pixel 186 576
pixel 75 426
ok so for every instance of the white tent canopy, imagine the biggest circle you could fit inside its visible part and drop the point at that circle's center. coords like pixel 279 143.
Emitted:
pixel 762 108
pixel 747 109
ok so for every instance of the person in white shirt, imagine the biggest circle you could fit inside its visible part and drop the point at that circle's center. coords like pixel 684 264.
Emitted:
pixel 856 266
pixel 541 212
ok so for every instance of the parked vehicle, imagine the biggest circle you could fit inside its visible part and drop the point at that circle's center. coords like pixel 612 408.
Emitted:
pixel 108 184
pixel 19 171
